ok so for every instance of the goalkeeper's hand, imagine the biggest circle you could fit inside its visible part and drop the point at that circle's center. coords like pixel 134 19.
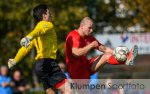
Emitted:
pixel 25 42
pixel 11 63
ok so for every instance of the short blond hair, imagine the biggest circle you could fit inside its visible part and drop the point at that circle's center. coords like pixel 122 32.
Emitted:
pixel 84 20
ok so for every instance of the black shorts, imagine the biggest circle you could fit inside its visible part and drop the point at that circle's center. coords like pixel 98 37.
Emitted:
pixel 49 72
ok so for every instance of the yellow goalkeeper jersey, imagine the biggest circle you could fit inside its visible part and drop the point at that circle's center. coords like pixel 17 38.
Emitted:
pixel 44 39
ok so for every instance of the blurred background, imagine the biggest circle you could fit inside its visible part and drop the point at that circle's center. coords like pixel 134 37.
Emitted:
pixel 117 22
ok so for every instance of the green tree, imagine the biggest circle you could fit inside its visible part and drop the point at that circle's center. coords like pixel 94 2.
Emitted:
pixel 141 14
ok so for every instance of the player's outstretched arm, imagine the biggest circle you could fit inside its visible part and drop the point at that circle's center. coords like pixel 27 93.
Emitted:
pixel 22 52
pixel 105 49
pixel 84 50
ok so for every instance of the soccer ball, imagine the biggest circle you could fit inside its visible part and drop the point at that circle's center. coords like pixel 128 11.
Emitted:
pixel 121 53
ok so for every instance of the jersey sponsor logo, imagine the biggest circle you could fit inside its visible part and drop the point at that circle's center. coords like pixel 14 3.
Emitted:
pixel 46 26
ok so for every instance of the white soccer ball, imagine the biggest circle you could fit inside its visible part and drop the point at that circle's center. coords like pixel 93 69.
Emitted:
pixel 121 53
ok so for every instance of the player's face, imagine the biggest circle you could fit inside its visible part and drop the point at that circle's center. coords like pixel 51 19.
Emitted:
pixel 88 28
pixel 47 16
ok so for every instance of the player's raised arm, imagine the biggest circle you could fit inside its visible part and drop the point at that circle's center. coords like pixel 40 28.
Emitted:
pixel 22 52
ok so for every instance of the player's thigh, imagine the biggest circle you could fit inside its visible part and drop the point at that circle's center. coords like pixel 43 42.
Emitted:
pixel 95 62
pixel 91 62
pixel 49 73
pixel 100 57
pixel 100 61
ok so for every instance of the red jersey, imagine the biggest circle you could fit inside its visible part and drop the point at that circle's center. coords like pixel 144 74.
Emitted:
pixel 75 40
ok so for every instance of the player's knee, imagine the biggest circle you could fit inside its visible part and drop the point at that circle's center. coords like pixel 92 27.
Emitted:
pixel 50 91
pixel 66 89
pixel 69 91
pixel 107 55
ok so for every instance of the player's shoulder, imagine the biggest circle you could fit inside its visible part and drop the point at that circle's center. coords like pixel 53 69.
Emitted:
pixel 73 33
pixel 45 24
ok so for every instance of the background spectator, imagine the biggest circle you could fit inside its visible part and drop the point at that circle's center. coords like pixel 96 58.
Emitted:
pixel 20 84
pixel 63 69
pixel 5 81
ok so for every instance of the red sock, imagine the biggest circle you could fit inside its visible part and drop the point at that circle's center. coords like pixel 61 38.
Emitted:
pixel 112 60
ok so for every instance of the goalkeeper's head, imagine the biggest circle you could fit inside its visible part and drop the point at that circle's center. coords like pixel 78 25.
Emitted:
pixel 41 12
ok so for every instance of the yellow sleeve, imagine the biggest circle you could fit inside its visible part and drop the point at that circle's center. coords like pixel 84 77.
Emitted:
pixel 40 29
pixel 22 52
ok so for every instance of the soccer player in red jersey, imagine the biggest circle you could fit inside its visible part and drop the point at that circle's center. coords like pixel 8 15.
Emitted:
pixel 79 42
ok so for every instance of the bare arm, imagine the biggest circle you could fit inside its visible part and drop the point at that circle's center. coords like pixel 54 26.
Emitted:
pixel 81 51
pixel 105 49
pixel 84 50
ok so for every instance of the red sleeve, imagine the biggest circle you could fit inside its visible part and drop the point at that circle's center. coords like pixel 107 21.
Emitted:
pixel 73 41
pixel 91 39
pixel 76 42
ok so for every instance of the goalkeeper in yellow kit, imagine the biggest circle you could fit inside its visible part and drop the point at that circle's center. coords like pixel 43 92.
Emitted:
pixel 44 39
